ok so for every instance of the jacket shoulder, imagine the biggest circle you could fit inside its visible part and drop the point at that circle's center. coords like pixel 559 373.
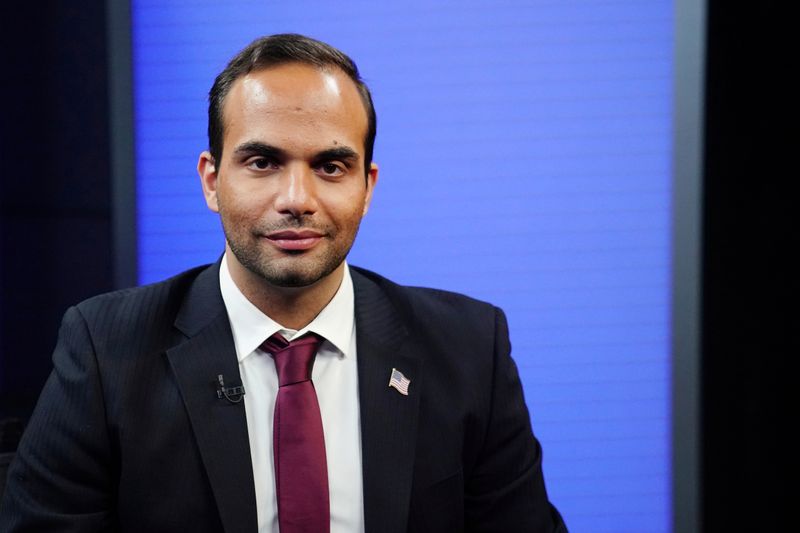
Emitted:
pixel 138 309
pixel 168 289
pixel 431 305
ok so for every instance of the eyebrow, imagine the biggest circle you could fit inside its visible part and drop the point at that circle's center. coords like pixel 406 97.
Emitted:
pixel 259 148
pixel 340 153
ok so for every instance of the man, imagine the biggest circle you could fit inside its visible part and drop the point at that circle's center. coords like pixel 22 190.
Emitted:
pixel 171 408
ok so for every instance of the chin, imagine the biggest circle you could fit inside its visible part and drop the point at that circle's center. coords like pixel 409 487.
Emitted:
pixel 293 276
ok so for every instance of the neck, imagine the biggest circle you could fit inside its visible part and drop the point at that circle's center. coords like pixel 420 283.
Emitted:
pixel 291 307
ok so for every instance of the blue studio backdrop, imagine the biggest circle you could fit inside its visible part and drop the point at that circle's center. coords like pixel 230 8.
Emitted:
pixel 525 154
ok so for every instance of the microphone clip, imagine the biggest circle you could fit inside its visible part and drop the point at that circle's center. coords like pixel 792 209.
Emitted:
pixel 232 394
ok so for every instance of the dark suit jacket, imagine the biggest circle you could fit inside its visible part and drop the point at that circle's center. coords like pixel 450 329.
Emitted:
pixel 129 433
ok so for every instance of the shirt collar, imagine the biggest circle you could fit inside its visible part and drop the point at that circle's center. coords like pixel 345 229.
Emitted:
pixel 251 327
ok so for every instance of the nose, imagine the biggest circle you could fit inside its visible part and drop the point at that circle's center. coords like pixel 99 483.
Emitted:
pixel 296 195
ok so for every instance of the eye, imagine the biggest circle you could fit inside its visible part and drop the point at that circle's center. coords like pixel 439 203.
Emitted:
pixel 261 163
pixel 332 169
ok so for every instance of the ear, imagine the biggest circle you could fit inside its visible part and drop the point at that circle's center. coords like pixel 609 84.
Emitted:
pixel 372 179
pixel 207 169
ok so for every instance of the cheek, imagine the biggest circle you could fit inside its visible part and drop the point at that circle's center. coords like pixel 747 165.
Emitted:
pixel 349 215
pixel 240 204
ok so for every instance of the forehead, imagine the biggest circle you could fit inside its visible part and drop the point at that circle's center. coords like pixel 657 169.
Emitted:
pixel 295 100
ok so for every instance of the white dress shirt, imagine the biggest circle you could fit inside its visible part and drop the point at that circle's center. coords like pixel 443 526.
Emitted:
pixel 335 378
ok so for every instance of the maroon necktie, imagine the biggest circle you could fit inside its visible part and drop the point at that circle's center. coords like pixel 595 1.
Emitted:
pixel 301 469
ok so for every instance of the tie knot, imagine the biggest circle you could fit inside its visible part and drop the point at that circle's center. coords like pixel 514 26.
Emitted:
pixel 293 360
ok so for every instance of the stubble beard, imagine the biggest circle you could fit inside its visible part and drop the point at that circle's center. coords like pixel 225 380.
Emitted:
pixel 248 249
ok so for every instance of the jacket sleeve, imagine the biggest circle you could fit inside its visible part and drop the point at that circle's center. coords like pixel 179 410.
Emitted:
pixel 506 491
pixel 62 477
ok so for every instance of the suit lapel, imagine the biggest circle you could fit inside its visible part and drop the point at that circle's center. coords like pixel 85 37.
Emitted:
pixel 388 419
pixel 220 427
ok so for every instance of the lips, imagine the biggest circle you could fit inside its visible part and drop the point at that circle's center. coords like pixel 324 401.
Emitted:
pixel 295 239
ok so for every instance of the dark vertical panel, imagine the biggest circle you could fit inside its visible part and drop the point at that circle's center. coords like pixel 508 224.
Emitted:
pixel 54 207
pixel 686 263
pixel 750 322
pixel 123 174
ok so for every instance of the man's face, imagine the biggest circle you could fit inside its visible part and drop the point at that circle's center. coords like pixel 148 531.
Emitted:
pixel 290 188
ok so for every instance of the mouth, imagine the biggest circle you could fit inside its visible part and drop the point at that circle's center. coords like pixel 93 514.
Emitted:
pixel 291 240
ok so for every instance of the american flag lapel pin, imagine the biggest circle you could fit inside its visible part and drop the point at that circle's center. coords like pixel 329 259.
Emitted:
pixel 399 382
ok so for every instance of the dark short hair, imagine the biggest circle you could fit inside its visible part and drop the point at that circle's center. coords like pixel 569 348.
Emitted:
pixel 277 50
